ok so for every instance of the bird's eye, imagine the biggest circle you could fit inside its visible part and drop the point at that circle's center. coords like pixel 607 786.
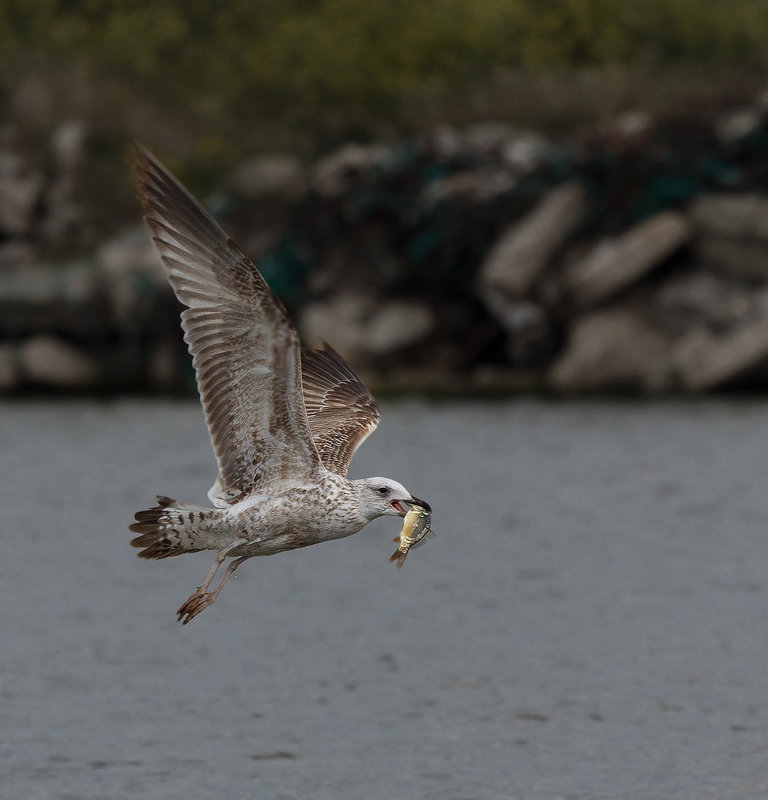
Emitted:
pixel 383 489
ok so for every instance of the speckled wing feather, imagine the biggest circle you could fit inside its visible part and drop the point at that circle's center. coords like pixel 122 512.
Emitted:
pixel 342 413
pixel 245 350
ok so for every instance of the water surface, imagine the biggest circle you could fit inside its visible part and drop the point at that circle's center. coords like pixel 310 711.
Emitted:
pixel 590 622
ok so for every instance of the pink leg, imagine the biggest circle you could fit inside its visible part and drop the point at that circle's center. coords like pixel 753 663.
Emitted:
pixel 199 601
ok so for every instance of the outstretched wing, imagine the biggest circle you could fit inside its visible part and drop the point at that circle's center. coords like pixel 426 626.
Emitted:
pixel 245 350
pixel 342 413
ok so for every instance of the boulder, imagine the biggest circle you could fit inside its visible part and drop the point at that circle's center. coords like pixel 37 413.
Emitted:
pixel 397 324
pixel 15 254
pixel 526 247
pixel 698 298
pixel 615 348
pixel 273 175
pixel 53 362
pixel 362 328
pixel 64 213
pixel 736 216
pixel 133 278
pixel 20 190
pixel 741 257
pixel 68 145
pixel 446 141
pixel 62 297
pixel 732 233
pixel 9 372
pixel 527 325
pixel 615 264
pixel 486 138
pixel 470 185
pixel 333 174
pixel 736 126
pixel 704 359
pixel 523 151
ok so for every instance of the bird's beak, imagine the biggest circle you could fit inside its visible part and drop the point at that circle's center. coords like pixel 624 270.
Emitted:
pixel 423 503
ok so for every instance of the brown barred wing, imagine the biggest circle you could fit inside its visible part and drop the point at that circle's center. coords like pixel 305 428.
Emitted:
pixel 245 350
pixel 342 413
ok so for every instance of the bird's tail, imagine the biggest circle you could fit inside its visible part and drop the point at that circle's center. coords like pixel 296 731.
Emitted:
pixel 171 528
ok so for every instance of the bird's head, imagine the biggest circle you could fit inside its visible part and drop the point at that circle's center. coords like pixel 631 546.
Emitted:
pixel 381 496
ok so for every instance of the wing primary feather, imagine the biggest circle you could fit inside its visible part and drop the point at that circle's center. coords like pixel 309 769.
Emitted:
pixel 245 350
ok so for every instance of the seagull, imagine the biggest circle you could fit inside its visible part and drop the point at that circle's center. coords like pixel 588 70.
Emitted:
pixel 284 421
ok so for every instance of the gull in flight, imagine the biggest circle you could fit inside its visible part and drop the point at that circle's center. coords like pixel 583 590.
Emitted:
pixel 284 422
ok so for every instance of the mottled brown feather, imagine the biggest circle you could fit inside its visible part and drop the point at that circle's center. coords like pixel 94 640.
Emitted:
pixel 342 413
pixel 245 350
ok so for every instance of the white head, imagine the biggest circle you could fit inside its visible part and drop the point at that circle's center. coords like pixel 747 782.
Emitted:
pixel 380 496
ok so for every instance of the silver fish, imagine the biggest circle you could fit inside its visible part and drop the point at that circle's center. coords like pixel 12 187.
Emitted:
pixel 414 531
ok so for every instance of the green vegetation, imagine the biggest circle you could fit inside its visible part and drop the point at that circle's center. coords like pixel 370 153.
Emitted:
pixel 341 67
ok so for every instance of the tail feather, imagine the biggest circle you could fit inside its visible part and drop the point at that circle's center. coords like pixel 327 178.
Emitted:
pixel 168 529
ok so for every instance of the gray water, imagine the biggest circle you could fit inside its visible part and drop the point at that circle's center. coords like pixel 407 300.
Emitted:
pixel 590 622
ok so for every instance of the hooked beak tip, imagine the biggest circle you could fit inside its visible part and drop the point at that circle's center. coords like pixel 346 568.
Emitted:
pixel 423 503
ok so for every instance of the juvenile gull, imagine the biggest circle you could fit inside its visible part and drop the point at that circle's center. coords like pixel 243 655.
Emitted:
pixel 284 423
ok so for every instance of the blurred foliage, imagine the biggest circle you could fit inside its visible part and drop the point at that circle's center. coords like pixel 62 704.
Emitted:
pixel 333 62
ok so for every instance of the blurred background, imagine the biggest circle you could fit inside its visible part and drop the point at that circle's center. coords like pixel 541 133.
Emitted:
pixel 461 197
pixel 517 199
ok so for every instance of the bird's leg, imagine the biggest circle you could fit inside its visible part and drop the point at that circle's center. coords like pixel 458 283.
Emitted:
pixel 231 567
pixel 199 602
pixel 200 593
pixel 203 587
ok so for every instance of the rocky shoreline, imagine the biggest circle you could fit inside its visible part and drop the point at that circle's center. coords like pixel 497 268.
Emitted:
pixel 634 259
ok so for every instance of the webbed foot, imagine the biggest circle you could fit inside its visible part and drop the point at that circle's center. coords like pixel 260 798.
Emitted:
pixel 194 605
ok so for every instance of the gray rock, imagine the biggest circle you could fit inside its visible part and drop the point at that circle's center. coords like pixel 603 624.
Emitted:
pixel 696 299
pixel 15 254
pixel 745 257
pixel 731 215
pixel 398 324
pixel 53 362
pixel 523 151
pixel 132 276
pixel 473 185
pixel 617 263
pixel 20 189
pixel 67 145
pixel 120 288
pixel 362 328
pixel 733 127
pixel 486 138
pixel 334 173
pixel 64 211
pixel 703 359
pixel 9 372
pixel 616 348
pixel 10 136
pixel 163 364
pixel 527 326
pixel 60 297
pixel 446 141
pixel 525 249
pixel 276 174
pixel 339 321
pixel 732 233
pixel 631 126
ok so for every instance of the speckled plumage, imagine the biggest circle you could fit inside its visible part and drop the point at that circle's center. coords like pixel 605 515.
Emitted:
pixel 284 424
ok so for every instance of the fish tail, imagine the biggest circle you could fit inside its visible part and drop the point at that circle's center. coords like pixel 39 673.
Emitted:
pixel 399 557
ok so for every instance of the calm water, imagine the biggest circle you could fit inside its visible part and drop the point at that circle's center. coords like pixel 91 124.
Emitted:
pixel 591 622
